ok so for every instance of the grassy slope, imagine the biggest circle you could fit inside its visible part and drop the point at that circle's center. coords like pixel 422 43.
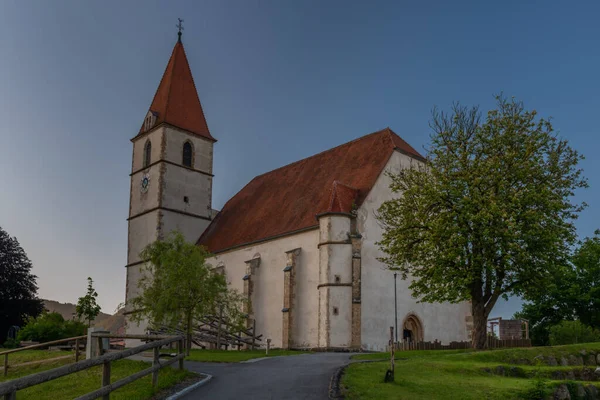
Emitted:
pixel 234 355
pixel 33 355
pixel 75 385
pixel 450 374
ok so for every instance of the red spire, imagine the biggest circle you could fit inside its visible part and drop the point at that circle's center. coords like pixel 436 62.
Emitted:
pixel 176 100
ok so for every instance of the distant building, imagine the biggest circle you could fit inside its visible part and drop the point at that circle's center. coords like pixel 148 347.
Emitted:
pixel 299 241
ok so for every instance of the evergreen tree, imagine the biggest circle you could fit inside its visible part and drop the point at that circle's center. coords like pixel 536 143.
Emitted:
pixel 18 288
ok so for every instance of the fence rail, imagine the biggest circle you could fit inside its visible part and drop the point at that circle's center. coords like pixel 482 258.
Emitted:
pixel 77 340
pixel 493 343
pixel 10 388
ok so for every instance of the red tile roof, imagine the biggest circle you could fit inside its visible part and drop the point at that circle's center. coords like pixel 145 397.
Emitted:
pixel 176 101
pixel 288 199
pixel 343 198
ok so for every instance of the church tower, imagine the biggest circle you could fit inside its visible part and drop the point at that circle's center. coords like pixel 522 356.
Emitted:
pixel 171 176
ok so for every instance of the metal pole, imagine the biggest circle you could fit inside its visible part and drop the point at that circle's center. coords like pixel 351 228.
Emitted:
pixel 395 307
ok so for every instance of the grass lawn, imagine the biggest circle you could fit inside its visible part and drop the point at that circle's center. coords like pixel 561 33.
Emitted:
pixel 456 374
pixel 236 356
pixel 35 355
pixel 83 382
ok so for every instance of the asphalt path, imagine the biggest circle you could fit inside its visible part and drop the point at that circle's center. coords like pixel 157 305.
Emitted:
pixel 304 376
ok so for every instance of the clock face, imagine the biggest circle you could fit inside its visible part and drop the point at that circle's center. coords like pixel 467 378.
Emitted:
pixel 145 183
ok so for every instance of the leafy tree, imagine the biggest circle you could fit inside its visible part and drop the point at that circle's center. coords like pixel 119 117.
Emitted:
pixel 573 295
pixel 87 306
pixel 18 288
pixel 572 332
pixel 490 213
pixel 178 286
pixel 50 326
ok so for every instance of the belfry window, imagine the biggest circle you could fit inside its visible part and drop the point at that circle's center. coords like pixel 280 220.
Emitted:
pixel 147 153
pixel 187 154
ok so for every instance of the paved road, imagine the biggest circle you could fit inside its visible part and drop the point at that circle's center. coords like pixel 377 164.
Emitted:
pixel 304 376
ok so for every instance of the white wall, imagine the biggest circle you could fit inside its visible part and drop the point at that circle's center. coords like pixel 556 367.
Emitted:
pixel 445 322
pixel 180 182
pixel 203 149
pixel 268 281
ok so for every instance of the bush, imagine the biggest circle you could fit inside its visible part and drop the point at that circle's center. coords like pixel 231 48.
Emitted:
pixel 572 332
pixel 11 344
pixel 50 326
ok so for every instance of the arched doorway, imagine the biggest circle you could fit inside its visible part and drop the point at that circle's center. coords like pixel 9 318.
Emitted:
pixel 412 329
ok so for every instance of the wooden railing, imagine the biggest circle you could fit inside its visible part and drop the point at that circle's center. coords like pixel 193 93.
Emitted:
pixel 9 389
pixel 492 343
pixel 77 340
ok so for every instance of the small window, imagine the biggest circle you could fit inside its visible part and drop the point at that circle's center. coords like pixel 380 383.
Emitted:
pixel 335 311
pixel 187 154
pixel 337 279
pixel 186 199
pixel 147 153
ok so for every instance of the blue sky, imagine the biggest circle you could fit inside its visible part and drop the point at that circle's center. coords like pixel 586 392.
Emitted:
pixel 278 80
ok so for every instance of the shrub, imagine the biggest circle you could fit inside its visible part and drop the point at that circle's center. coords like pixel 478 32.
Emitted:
pixel 50 326
pixel 571 332
pixel 11 344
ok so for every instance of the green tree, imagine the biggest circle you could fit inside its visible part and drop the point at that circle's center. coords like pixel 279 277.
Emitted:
pixel 490 213
pixel 87 306
pixel 18 288
pixel 178 286
pixel 572 332
pixel 573 295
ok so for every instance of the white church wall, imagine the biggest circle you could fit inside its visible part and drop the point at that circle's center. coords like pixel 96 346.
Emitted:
pixel 203 149
pixel 445 321
pixel 139 201
pixel 155 137
pixel 179 183
pixel 191 228
pixel 142 230
pixel 267 299
pixel 340 324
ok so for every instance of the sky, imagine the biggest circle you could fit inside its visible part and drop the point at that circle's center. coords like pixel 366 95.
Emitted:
pixel 278 81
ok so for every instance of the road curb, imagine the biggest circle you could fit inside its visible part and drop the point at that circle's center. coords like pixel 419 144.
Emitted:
pixel 190 388
pixel 334 384
pixel 335 392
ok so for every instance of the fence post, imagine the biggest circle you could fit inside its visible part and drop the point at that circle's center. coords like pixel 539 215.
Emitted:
pixel 219 328
pixel 76 350
pixel 6 364
pixel 10 396
pixel 106 378
pixel 180 352
pixel 253 332
pixel 268 346
pixel 99 348
pixel 154 363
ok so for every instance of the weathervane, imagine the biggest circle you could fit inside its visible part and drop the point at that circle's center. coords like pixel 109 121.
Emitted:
pixel 180 27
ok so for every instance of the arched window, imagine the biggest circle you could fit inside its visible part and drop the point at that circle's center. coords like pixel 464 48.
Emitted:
pixel 147 153
pixel 187 154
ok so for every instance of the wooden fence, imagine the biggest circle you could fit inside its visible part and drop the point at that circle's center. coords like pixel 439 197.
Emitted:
pixel 216 332
pixel 9 389
pixel 77 340
pixel 493 343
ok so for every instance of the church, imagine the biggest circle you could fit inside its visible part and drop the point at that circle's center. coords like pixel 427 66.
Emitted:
pixel 299 242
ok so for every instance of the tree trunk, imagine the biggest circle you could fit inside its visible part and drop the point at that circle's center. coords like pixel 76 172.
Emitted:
pixel 188 330
pixel 479 336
